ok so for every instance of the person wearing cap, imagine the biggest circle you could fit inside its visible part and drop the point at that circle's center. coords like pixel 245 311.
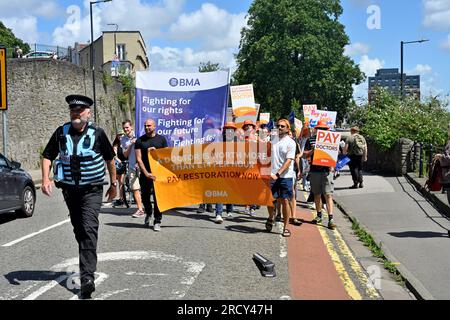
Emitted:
pixel 228 135
pixel 282 174
pixel 81 148
pixel 321 179
pixel 249 129
pixel 356 149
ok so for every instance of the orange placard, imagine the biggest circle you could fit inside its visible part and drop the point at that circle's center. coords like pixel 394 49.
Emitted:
pixel 326 149
pixel 228 173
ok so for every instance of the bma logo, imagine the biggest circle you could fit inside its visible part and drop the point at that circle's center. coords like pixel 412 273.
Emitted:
pixel 174 82
pixel 215 193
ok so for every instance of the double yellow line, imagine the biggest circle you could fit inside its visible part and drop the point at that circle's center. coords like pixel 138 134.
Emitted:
pixel 348 283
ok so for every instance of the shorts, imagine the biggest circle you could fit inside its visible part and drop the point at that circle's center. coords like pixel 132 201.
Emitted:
pixel 120 168
pixel 282 188
pixel 321 182
pixel 134 181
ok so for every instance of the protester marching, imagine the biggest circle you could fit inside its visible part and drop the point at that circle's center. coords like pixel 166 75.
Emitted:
pixel 183 145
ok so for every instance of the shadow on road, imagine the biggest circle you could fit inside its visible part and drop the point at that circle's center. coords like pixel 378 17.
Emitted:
pixel 64 279
pixel 7 217
pixel 418 234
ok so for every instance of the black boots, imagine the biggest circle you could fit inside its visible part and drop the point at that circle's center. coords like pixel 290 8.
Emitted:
pixel 87 287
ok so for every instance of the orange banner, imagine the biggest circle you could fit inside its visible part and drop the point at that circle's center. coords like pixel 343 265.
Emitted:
pixel 326 149
pixel 228 173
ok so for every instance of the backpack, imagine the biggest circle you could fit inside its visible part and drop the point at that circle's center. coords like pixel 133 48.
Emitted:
pixel 359 145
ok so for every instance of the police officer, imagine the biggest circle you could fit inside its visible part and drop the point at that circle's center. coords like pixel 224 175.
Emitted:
pixel 81 148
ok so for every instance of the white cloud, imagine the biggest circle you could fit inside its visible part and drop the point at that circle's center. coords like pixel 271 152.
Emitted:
pixel 422 69
pixel 216 28
pixel 356 49
pixel 446 43
pixel 187 60
pixel 24 8
pixel 437 14
pixel 369 67
pixel 24 28
pixel 133 15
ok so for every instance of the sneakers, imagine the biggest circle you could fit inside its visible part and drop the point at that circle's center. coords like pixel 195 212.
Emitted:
pixel 331 224
pixel 229 214
pixel 252 213
pixel 355 186
pixel 317 219
pixel 218 219
pixel 200 210
pixel 157 227
pixel 246 211
pixel 139 214
pixel 361 185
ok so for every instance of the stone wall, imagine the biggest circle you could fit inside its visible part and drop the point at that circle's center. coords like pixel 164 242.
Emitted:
pixel 37 106
pixel 396 160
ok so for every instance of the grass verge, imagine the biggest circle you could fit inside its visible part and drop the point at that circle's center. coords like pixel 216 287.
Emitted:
pixel 369 242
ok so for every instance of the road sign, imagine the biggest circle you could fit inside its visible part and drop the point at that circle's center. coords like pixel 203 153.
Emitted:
pixel 3 102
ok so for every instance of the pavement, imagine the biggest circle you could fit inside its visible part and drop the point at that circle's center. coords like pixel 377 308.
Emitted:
pixel 410 223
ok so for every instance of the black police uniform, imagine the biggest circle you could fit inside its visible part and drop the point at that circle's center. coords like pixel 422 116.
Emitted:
pixel 83 198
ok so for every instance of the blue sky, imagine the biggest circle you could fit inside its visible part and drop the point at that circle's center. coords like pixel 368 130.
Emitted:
pixel 182 33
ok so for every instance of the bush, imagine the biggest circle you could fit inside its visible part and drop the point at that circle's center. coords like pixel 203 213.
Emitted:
pixel 388 119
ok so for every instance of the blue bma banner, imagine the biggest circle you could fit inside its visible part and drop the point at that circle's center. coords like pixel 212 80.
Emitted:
pixel 188 108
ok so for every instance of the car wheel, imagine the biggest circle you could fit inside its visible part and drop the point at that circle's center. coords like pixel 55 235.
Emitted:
pixel 28 200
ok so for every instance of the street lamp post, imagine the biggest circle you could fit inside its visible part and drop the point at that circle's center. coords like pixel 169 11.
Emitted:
pixel 402 79
pixel 91 53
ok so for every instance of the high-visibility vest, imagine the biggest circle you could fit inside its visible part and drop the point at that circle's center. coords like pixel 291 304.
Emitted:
pixel 79 165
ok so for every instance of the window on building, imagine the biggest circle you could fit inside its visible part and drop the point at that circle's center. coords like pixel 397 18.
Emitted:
pixel 121 53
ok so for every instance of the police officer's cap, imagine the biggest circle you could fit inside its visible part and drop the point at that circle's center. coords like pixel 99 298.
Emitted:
pixel 75 100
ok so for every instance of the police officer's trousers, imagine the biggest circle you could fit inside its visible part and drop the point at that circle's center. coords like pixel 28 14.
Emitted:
pixel 84 206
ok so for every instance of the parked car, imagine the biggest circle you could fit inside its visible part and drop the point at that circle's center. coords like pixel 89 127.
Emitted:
pixel 41 55
pixel 17 190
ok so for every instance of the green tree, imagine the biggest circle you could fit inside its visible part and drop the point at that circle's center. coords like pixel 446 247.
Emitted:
pixel 9 40
pixel 208 67
pixel 388 119
pixel 294 50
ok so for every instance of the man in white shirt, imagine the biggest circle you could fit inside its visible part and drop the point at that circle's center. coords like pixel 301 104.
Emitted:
pixel 282 174
pixel 127 143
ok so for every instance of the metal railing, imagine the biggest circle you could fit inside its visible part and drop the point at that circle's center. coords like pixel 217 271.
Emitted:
pixel 61 53
pixel 423 153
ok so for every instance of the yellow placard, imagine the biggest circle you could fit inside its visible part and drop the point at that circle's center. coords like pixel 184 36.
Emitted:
pixel 3 87
pixel 227 173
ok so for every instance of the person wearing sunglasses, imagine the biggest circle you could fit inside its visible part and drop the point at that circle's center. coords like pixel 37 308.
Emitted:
pixel 282 174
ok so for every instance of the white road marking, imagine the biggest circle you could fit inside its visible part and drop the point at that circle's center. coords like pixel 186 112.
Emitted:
pixel 9 244
pixel 283 242
pixel 110 294
pixel 193 269
pixel 101 277
pixel 47 287
pixel 133 273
